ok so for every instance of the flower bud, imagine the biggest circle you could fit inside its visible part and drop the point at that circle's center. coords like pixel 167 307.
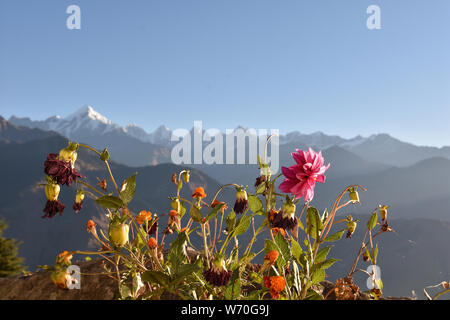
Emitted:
pixel 351 226
pixel 90 227
pixel 176 204
pixel 383 212
pixel 353 195
pixel 79 197
pixel 118 234
pixel 152 243
pixel 186 176
pixel 52 191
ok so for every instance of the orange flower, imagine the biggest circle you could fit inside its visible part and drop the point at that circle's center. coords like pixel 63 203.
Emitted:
pixel 271 257
pixel 277 285
pixel 173 213
pixel 199 193
pixel 144 216
pixel 276 230
pixel 152 243
pixel 266 281
pixel 90 227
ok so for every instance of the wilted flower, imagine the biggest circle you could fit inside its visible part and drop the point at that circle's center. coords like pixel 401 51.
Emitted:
pixel 174 219
pixel 199 193
pixel 260 180
pixel 144 216
pixel 90 227
pixel 102 184
pixel 302 177
pixel 218 274
pixel 78 204
pixel 53 206
pixel 241 203
pixel 174 178
pixel 61 168
pixel 217 202
pixel 285 219
pixel 275 284
pixel 64 257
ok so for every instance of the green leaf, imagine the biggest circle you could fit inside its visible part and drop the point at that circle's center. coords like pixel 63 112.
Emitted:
pixel 296 249
pixel 124 291
pixel 184 271
pixel 110 202
pixel 314 223
pixel 156 277
pixel 128 188
pixel 283 246
pixel 318 276
pixel 254 203
pixel 177 253
pixel 231 221
pixel 324 265
pixel 243 225
pixel 261 188
pixel 375 254
pixel 313 295
pixel 233 289
pixel 335 237
pixel 195 214
pixel 182 209
pixel 373 221
pixel 322 254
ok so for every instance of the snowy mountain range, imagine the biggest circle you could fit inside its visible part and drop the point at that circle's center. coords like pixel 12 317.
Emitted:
pixel 134 146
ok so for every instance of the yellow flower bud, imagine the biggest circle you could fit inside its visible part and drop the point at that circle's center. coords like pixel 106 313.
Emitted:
pixel 119 234
pixel 52 191
pixel 186 175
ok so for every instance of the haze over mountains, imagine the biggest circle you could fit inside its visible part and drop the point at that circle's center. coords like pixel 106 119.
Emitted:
pixel 418 192
pixel 127 143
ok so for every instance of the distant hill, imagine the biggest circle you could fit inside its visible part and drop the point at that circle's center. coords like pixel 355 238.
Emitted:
pixel 21 201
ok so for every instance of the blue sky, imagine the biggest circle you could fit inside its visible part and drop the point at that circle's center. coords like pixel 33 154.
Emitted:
pixel 303 65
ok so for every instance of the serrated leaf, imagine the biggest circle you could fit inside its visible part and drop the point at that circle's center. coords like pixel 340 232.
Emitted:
pixel 195 214
pixel 184 271
pixel 110 202
pixel 296 249
pixel 373 221
pixel 335 236
pixel 254 203
pixel 243 225
pixel 283 246
pixel 233 289
pixel 231 221
pixel 177 253
pixel 314 223
pixel 318 276
pixel 128 188
pixel 156 277
pixel 324 265
pixel 322 254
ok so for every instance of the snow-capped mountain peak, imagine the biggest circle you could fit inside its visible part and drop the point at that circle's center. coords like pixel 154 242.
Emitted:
pixel 88 111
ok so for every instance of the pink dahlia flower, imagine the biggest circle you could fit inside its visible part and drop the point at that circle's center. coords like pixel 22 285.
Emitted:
pixel 302 176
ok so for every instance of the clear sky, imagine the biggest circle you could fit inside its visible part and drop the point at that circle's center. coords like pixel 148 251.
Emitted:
pixel 304 65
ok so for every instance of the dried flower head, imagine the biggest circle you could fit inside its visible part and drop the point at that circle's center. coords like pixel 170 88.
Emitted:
pixel 241 203
pixel 217 274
